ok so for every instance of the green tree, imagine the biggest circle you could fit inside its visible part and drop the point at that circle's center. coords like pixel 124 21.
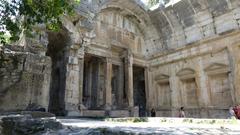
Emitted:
pixel 17 16
pixel 154 2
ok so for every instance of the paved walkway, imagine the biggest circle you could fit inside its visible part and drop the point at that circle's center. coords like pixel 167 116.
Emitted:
pixel 98 127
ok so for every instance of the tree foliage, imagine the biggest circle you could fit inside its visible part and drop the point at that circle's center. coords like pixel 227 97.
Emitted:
pixel 17 16
pixel 154 2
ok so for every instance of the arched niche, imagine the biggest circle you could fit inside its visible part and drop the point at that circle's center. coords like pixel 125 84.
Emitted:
pixel 188 87
pixel 219 85
pixel 163 91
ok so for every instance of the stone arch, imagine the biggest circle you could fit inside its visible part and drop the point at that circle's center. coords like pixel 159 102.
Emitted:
pixel 135 10
pixel 185 21
pixel 119 29
pixel 140 16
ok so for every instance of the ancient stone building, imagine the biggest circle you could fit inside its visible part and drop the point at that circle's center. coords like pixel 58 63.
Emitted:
pixel 117 58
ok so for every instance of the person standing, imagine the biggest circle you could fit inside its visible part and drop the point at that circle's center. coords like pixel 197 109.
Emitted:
pixel 236 110
pixel 153 113
pixel 231 113
pixel 182 113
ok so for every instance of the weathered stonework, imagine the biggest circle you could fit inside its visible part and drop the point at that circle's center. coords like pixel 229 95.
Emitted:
pixel 117 58
pixel 24 79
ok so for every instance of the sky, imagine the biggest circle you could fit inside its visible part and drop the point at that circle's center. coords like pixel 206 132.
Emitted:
pixel 144 1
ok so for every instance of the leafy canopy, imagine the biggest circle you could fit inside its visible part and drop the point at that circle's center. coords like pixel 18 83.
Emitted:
pixel 154 2
pixel 17 16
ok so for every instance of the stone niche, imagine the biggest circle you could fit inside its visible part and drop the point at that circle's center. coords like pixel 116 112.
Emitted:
pixel 219 85
pixel 163 95
pixel 189 89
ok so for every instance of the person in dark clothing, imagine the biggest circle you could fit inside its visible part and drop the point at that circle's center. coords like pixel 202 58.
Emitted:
pixel 153 113
pixel 181 113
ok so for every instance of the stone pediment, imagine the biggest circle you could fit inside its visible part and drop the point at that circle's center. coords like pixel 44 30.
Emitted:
pixel 162 78
pixel 185 72
pixel 216 66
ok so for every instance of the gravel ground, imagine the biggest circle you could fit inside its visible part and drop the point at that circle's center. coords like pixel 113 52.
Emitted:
pixel 90 127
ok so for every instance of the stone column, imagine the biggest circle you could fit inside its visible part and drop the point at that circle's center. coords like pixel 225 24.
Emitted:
pixel 234 58
pixel 147 87
pixel 72 83
pixel 108 80
pixel 120 97
pixel 203 93
pixel 176 98
pixel 129 78
pixel 81 74
pixel 81 68
pixel 204 99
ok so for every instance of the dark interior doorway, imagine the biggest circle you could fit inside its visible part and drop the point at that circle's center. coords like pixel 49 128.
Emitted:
pixel 56 50
pixel 94 82
pixel 115 86
pixel 139 90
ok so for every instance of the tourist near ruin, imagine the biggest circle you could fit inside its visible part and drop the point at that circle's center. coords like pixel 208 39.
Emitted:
pixel 120 58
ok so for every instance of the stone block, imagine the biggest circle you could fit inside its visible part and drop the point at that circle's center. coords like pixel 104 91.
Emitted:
pixel 193 34
pixel 72 60
pixel 119 113
pixel 164 113
pixel 94 113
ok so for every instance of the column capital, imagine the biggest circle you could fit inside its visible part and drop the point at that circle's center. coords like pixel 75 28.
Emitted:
pixel 81 53
pixel 108 60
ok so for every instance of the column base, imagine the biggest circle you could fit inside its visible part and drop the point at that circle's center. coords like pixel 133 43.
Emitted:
pixel 72 110
pixel 108 107
pixel 73 114
pixel 134 111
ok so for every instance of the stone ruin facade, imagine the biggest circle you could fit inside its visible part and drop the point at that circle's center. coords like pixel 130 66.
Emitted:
pixel 117 58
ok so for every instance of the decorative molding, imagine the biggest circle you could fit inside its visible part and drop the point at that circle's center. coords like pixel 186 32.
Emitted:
pixel 162 78
pixel 217 68
pixel 186 73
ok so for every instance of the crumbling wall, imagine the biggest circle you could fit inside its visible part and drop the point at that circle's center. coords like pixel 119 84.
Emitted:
pixel 24 79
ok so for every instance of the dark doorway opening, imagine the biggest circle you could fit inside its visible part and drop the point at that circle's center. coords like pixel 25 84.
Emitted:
pixel 139 90
pixel 119 101
pixel 115 86
pixel 56 50
pixel 94 82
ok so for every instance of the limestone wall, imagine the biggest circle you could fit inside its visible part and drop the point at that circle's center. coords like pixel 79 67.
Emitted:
pixel 202 77
pixel 189 21
pixel 189 49
pixel 189 52
pixel 24 79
